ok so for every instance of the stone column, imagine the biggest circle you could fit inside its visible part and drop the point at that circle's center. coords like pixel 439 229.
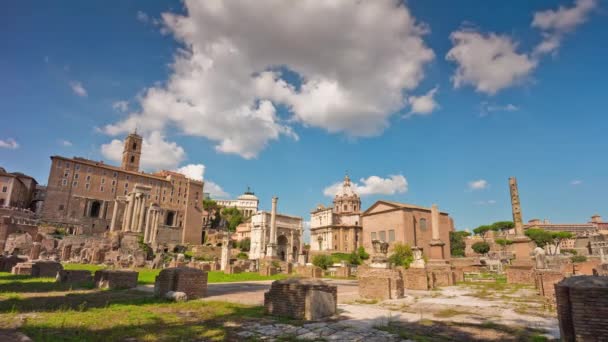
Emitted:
pixel 516 207
pixel 292 256
pixel 148 225
pixel 142 214
pixel 114 216
pixel 437 253
pixel 135 213
pixel 271 250
pixel 302 256
pixel 225 260
pixel 126 224
pixel 35 252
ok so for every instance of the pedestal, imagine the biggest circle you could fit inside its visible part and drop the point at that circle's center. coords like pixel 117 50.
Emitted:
pixel 436 253
pixel 522 247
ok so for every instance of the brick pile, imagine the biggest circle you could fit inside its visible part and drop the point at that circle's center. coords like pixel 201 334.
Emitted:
pixel 582 308
pixel 115 279
pixel 308 299
pixel 74 276
pixel 191 281
pixel 380 283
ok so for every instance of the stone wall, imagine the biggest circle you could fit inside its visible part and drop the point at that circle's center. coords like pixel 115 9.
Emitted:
pixel 115 279
pixel 309 271
pixel 378 283
pixel 301 299
pixel 523 274
pixel 191 281
pixel 582 308
pixel 415 279
pixel 545 281
pixel 8 262
pixel 46 268
pixel 22 268
pixel 267 270
pixel 343 272
pixel 440 275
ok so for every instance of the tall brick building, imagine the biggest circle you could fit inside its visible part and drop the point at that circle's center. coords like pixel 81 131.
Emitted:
pixel 86 195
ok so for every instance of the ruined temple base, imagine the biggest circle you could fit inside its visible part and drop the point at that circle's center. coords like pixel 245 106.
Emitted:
pixel 191 281
pixel 115 279
pixel 74 276
pixel 305 299
pixel 377 283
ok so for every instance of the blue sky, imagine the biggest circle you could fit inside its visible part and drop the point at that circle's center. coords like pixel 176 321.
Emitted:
pixel 344 90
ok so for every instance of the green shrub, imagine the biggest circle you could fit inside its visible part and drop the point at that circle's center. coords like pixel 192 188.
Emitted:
pixel 578 258
pixel 570 251
pixel 242 255
pixel 402 255
pixel 339 257
pixel 323 261
pixel 245 245
pixel 363 255
pixel 354 259
pixel 481 247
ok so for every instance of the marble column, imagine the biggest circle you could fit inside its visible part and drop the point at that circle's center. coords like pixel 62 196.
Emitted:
pixel 126 224
pixel 142 214
pixel 302 256
pixel 271 250
pixel 292 256
pixel 114 216
pixel 135 213
pixel 225 260
pixel 148 225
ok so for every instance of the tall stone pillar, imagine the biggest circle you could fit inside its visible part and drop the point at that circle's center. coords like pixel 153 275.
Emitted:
pixel 135 213
pixel 126 224
pixel 225 260
pixel 516 207
pixel 148 225
pixel 142 214
pixel 271 249
pixel 292 256
pixel 302 256
pixel 114 216
pixel 437 246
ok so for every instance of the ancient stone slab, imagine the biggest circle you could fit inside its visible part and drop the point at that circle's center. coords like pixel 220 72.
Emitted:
pixel 301 299
pixel 191 281
pixel 115 279
pixel 582 308
pixel 46 268
pixel 74 276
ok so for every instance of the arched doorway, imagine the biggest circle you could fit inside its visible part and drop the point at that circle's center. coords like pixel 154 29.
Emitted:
pixel 170 218
pixel 282 243
pixel 95 209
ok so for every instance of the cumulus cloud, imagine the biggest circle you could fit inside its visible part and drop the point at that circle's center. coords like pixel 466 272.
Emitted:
pixel 142 16
pixel 373 185
pixel 554 24
pixel 157 153
pixel 121 106
pixel 78 88
pixel 9 143
pixel 487 108
pixel 479 184
pixel 488 202
pixel 197 172
pixel 230 76
pixel 489 62
pixel 424 104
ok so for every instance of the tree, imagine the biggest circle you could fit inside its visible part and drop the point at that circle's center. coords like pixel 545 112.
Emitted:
pixel 540 236
pixel 558 237
pixel 481 247
pixel 363 255
pixel 457 244
pixel 578 258
pixel 482 231
pixel 354 258
pixel 209 205
pixel 503 243
pixel 502 225
pixel 233 218
pixel 323 261
pixel 402 255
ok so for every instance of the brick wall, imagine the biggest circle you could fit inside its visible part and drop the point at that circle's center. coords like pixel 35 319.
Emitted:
pixel 115 279
pixel 46 268
pixel 582 308
pixel 377 283
pixel 191 281
pixel 545 281
pixel 309 271
pixel 301 299
pixel 415 279
pixel 520 274
pixel 74 276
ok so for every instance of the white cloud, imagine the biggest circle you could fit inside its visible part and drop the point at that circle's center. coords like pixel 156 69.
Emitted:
pixel 214 190
pixel 142 16
pixel 486 108
pixel 157 153
pixel 230 76
pixel 488 202
pixel 78 88
pixel 424 104
pixel 479 184
pixel 576 182
pixel 65 143
pixel 9 143
pixel 554 24
pixel 197 172
pixel 489 62
pixel 373 185
pixel 121 106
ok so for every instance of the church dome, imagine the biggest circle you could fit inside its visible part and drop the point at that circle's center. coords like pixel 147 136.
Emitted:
pixel 248 196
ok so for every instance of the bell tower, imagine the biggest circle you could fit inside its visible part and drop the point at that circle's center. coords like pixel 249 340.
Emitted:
pixel 131 153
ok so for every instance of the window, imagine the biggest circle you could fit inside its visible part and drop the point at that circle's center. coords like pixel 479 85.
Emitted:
pixel 134 146
pixel 59 163
pixel 76 176
pixel 391 235
pixel 64 182
pixel 101 188
pixel 422 224
pixel 87 186
pixel 113 182
pixel 126 185
pixel 95 209
pixel 61 207
pixel 113 190
pixel 66 174
pixel 373 236
pixel 77 167
pixel 88 178
pixel 345 207
pixel 114 174
pixel 103 181
pixel 88 169
pixel 126 191
pixel 67 165
pixel 132 159
pixel 128 177
pixel 75 183
pixel 382 236
pixel 4 189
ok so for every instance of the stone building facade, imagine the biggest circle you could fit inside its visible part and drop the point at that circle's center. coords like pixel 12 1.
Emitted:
pixel 398 222
pixel 95 197
pixel 337 228
pixel 247 203
pixel 17 190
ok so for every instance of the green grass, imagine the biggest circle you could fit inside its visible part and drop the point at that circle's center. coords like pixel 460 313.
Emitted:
pixel 147 276
pixel 11 285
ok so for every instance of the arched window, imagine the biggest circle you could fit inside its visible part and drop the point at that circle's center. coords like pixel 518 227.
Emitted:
pixel 134 146
pixel 132 159
pixel 345 207
pixel 422 224
pixel 170 218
